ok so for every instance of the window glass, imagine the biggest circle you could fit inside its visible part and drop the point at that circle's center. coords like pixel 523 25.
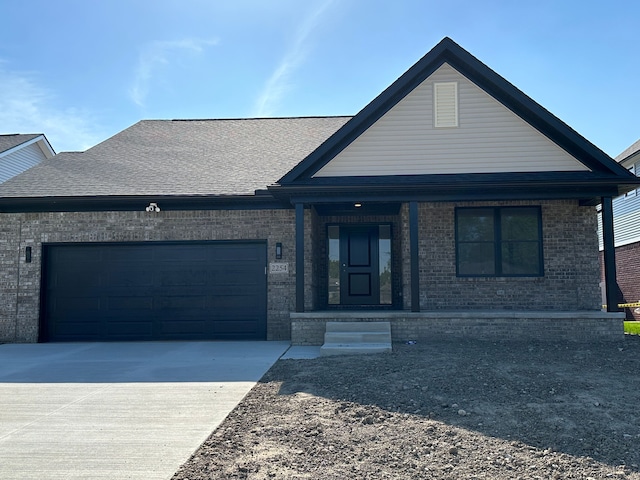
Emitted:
pixel 519 224
pixel 476 259
pixel 475 225
pixel 499 241
pixel 520 258
pixel 384 253
pixel 334 264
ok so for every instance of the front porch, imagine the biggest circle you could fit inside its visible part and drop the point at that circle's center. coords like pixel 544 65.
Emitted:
pixel 308 328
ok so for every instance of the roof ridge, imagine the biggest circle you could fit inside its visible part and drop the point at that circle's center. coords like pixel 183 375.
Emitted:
pixel 248 118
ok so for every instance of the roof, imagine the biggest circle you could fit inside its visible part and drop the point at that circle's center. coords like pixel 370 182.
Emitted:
pixel 12 140
pixel 229 161
pixel 606 177
pixel 447 51
pixel 179 158
pixel 629 152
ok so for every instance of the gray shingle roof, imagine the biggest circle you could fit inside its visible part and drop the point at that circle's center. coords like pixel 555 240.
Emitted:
pixel 180 157
pixel 629 151
pixel 8 141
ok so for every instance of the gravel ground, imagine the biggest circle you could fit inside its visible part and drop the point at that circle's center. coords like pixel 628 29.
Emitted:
pixel 438 410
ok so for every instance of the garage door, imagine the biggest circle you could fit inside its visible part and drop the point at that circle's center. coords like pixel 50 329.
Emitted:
pixel 154 291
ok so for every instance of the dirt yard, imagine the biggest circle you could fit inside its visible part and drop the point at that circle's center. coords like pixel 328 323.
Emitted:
pixel 438 410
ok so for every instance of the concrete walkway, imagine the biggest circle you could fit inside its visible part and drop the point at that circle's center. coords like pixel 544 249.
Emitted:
pixel 118 410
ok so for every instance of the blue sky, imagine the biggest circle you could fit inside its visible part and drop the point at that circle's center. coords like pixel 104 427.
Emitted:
pixel 80 71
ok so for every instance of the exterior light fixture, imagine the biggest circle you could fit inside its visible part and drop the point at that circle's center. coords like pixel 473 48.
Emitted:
pixel 357 205
pixel 153 207
pixel 278 251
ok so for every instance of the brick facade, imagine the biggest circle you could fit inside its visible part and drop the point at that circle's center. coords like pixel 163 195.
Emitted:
pixel 571 269
pixel 627 277
pixel 585 326
pixel 20 281
pixel 571 265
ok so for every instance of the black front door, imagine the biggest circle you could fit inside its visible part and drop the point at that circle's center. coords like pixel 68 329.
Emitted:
pixel 359 265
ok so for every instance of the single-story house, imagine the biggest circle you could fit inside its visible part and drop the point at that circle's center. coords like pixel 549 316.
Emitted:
pixel 626 228
pixel 20 151
pixel 451 204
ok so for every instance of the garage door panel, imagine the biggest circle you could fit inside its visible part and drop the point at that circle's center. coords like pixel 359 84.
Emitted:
pixel 227 328
pixel 122 276
pixel 237 253
pixel 75 279
pixel 129 331
pixel 186 277
pixel 79 328
pixel 154 291
pixel 175 253
pixel 126 303
pixel 126 254
pixel 76 304
pixel 193 328
pixel 184 303
pixel 232 302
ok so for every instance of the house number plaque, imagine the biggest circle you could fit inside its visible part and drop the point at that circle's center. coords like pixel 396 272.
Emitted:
pixel 278 268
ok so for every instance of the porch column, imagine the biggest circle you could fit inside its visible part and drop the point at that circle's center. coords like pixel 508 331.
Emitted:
pixel 299 257
pixel 413 248
pixel 610 282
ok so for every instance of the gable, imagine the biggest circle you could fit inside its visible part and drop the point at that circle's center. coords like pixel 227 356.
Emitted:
pixel 488 138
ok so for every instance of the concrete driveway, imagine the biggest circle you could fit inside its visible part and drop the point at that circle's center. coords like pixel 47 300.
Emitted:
pixel 118 410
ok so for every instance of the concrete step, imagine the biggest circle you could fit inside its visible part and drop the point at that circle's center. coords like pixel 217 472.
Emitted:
pixel 353 348
pixel 350 338
pixel 359 327
pixel 357 337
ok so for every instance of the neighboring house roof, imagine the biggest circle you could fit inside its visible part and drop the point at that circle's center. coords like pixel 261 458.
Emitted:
pixel 180 157
pixel 19 152
pixel 9 141
pixel 631 153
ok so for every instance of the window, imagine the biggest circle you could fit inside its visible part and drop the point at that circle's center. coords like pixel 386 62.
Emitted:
pixel 445 104
pixel 499 242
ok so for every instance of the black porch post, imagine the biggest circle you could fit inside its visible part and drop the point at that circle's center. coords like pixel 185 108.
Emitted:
pixel 415 265
pixel 299 257
pixel 610 282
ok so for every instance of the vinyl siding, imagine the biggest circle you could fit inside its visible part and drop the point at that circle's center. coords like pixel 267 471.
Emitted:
pixel 19 161
pixel 626 220
pixel 489 139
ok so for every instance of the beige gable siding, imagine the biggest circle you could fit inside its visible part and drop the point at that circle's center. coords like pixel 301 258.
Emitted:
pixel 489 139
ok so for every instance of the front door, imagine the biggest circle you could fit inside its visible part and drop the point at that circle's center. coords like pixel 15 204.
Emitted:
pixel 359 266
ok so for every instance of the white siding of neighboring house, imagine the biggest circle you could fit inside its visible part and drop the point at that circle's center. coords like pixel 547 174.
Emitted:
pixel 489 139
pixel 20 160
pixel 626 219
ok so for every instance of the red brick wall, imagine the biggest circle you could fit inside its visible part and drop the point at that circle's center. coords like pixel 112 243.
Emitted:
pixel 628 276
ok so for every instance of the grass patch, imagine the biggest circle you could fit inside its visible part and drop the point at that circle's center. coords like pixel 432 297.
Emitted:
pixel 632 327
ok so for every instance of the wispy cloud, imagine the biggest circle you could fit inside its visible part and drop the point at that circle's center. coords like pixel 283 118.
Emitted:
pixel 28 107
pixel 154 56
pixel 280 81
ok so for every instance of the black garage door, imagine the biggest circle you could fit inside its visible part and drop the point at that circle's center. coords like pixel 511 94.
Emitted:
pixel 154 291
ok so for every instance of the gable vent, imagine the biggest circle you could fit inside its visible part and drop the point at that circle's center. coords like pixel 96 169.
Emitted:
pixel 445 102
